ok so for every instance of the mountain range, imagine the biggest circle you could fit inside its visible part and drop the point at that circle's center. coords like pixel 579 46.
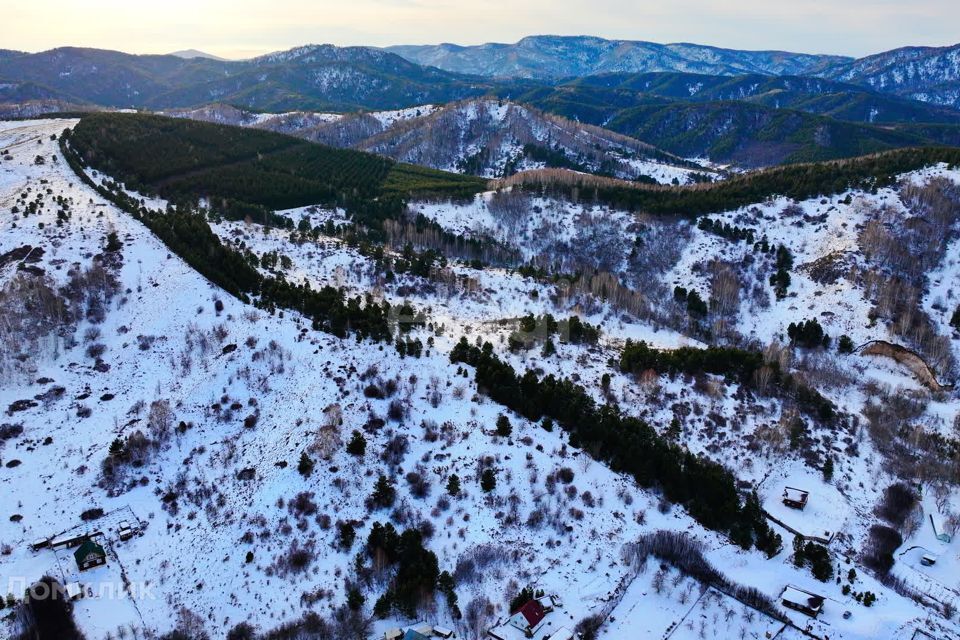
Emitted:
pixel 748 107
pixel 314 77
pixel 928 74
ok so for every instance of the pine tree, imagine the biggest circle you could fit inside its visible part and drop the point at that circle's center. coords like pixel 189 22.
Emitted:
pixel 355 599
pixel 384 493
pixel 306 465
pixel 357 445
pixel 488 480
pixel 504 428
pixel 828 469
pixel 453 485
pixel 548 348
pixel 845 344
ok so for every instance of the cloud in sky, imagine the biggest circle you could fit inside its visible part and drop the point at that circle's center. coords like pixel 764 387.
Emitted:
pixel 240 28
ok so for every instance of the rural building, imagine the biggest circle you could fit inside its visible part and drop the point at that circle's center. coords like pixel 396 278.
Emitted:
pixel 71 540
pixel 125 530
pixel 90 555
pixel 795 498
pixel 562 634
pixel 40 543
pixel 442 632
pixel 393 634
pixel 547 603
pixel 802 601
pixel 528 618
pixel 74 591
pixel 413 634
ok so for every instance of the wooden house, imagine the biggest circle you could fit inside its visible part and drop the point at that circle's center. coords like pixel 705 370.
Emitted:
pixel 90 555
pixel 795 498
pixel 802 601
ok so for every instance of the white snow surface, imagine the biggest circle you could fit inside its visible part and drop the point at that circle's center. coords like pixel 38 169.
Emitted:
pixel 288 375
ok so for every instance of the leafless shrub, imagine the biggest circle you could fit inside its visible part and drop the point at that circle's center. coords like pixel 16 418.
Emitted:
pixel 898 501
pixel 419 484
pixel 395 450
pixel 878 555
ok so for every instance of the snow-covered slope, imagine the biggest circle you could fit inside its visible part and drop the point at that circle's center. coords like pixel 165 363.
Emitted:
pixel 927 74
pixel 230 531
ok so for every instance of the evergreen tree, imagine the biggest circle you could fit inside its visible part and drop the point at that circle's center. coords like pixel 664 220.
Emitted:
pixel 845 344
pixel 488 480
pixel 548 348
pixel 453 485
pixel 504 428
pixel 357 445
pixel 306 465
pixel 346 534
pixel 384 493
pixel 355 599
pixel 808 334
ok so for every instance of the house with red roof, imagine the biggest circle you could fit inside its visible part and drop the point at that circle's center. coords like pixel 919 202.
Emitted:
pixel 528 618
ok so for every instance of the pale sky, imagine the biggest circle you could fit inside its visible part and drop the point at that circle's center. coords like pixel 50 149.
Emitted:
pixel 244 28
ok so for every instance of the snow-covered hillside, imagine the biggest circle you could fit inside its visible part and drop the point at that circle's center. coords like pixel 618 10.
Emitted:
pixel 927 74
pixel 228 399
pixel 484 137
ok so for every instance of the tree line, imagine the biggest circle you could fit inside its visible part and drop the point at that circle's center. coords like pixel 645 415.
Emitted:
pixel 799 182
pixel 626 444
pixel 738 365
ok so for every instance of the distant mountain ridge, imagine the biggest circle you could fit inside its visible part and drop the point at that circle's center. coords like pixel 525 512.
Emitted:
pixel 820 96
pixel 190 54
pixel 310 77
pixel 327 77
pixel 554 57
pixel 927 74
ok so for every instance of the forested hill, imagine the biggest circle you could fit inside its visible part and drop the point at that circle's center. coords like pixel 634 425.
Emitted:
pixel 240 169
pixel 797 181
pixel 184 160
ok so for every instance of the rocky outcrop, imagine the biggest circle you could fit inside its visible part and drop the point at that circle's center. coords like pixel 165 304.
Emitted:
pixel 908 358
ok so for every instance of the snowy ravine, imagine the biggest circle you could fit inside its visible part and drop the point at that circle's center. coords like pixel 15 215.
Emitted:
pixel 218 503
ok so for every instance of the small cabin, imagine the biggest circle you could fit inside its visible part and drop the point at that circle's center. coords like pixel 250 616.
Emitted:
pixel 73 590
pixel 393 634
pixel 802 601
pixel 795 498
pixel 928 560
pixel 90 555
pixel 125 530
pixel 546 603
pixel 442 632
pixel 562 634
